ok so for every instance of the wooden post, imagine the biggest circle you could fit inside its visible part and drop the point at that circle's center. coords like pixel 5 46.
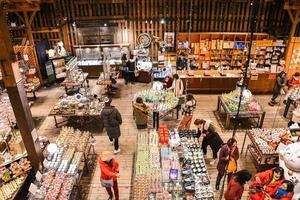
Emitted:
pixel 17 95
pixel 28 22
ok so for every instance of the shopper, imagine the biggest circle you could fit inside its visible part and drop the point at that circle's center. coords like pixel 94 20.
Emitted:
pixel 112 120
pixel 281 80
pixel 210 137
pixel 167 82
pixel 284 192
pixel 130 75
pixel 228 156
pixel 294 81
pixel 109 168
pixel 236 184
pixel 187 112
pixel 177 86
pixel 182 61
pixel 124 68
pixel 140 113
pixel 265 182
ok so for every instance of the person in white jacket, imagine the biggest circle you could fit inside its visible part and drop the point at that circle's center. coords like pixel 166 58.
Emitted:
pixel 177 86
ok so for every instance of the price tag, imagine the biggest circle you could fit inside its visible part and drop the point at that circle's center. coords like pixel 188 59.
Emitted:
pixel 25 56
pixel 38 176
pixel 33 189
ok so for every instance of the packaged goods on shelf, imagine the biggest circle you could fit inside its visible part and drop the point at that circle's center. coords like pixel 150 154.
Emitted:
pixel 7 119
pixel 8 190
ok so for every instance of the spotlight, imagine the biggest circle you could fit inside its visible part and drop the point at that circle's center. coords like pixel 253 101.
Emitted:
pixel 105 25
pixel 162 21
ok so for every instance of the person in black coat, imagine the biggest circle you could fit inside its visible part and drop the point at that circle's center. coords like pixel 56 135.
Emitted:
pixel 210 137
pixel 112 120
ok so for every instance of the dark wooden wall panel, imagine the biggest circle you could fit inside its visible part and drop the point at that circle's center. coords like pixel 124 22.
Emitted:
pixel 145 15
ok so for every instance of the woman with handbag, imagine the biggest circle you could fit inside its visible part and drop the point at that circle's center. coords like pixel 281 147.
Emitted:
pixel 228 156
pixel 109 174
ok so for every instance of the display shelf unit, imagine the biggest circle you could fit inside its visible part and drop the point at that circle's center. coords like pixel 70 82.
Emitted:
pixel 293 56
pixel 90 57
pixel 229 49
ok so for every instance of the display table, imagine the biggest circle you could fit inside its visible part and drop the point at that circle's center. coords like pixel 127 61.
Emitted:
pixel 84 111
pixel 214 81
pixel 170 165
pixel 294 96
pixel 64 168
pixel 263 144
pixel 159 103
pixel 210 80
pixel 259 115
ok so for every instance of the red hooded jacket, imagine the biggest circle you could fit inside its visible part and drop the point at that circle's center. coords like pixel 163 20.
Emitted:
pixel 234 190
pixel 108 172
pixel 271 188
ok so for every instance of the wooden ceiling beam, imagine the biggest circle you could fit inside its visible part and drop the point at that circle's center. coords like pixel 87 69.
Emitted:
pixel 289 5
pixel 20 17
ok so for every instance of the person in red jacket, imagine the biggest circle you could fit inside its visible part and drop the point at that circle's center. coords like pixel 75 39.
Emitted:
pixel 236 184
pixel 109 173
pixel 294 81
pixel 266 182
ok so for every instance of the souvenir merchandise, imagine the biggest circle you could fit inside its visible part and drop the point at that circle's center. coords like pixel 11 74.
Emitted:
pixel 7 119
pixel 12 147
pixel 265 144
pixel 295 94
pixel 56 186
pixel 248 103
pixel 158 101
pixel 8 190
pixel 194 172
pixel 78 104
pixel 62 166
pixel 172 168
pixel 12 177
pixel 267 140
pixel 74 75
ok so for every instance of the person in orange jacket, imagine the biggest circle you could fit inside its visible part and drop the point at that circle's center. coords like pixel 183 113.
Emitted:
pixel 109 173
pixel 266 182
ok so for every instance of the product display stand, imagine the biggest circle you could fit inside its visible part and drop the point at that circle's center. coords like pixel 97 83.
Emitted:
pixel 261 160
pixel 289 101
pixel 259 115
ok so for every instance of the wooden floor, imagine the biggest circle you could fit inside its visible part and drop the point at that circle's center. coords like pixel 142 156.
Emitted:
pixel 206 105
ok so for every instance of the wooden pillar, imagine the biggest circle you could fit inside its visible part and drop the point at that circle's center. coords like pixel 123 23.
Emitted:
pixel 17 95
